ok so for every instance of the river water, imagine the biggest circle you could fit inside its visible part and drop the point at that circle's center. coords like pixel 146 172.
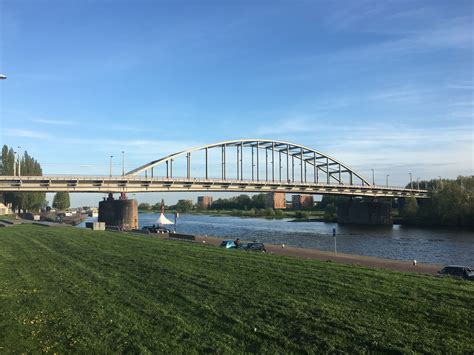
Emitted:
pixel 437 246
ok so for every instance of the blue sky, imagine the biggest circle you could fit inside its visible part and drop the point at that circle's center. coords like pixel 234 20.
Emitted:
pixel 385 85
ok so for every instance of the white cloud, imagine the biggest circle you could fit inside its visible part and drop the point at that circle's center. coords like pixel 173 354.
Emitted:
pixel 54 122
pixel 13 132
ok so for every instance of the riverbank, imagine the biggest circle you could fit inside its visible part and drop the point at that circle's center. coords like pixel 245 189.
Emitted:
pixel 84 291
pixel 350 259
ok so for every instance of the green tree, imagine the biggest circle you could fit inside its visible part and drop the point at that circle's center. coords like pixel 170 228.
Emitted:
pixel 144 206
pixel 259 201
pixel 184 206
pixel 25 201
pixel 61 201
pixel 410 208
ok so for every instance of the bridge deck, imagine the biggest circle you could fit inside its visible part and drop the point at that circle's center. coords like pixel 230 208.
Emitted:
pixel 130 184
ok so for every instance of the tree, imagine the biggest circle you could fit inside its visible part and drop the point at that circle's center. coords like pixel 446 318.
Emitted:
pixel 184 206
pixel 28 166
pixel 144 206
pixel 259 201
pixel 410 208
pixel 61 201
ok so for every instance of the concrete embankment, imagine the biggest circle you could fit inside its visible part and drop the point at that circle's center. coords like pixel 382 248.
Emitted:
pixel 361 260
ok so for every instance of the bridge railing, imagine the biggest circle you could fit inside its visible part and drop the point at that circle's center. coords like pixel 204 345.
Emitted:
pixel 137 178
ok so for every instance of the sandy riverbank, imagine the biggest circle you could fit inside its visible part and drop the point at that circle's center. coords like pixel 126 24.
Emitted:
pixel 368 261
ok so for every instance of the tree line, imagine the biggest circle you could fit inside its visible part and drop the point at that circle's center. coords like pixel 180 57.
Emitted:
pixel 26 201
pixel 451 203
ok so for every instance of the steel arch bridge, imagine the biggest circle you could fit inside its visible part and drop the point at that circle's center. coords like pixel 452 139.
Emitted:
pixel 320 163
pixel 244 165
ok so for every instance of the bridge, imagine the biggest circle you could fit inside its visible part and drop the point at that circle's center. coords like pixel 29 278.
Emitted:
pixel 245 165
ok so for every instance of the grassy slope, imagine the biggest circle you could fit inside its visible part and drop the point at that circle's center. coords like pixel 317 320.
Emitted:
pixel 65 289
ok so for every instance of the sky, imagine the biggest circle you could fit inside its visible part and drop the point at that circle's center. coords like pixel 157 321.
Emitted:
pixel 384 85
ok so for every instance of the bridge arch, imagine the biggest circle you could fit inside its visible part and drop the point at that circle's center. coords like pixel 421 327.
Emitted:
pixel 322 167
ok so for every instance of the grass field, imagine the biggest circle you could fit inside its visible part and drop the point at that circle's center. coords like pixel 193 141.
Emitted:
pixel 66 289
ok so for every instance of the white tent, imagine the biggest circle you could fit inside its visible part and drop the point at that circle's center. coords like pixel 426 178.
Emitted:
pixel 162 220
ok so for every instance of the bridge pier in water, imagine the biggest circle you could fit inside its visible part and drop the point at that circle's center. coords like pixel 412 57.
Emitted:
pixel 365 212
pixel 121 213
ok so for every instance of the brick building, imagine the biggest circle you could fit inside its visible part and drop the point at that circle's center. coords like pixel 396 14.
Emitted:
pixel 302 201
pixel 276 200
pixel 204 201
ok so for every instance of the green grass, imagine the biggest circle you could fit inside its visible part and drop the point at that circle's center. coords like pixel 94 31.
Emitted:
pixel 74 290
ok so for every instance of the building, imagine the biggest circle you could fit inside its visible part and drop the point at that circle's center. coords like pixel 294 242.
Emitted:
pixel 302 201
pixel 204 201
pixel 276 200
pixel 5 209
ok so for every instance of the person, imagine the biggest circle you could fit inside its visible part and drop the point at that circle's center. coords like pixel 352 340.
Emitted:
pixel 237 242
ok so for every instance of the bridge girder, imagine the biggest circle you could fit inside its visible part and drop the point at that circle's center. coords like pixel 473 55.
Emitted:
pixel 131 184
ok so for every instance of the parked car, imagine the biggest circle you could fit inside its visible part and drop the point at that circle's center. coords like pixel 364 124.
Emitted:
pixel 228 244
pixel 255 247
pixel 458 271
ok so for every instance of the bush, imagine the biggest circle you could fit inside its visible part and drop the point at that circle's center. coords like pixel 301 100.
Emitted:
pixel 270 212
pixel 279 213
pixel 301 215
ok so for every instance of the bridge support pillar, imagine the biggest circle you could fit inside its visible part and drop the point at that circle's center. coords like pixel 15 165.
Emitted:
pixel 364 212
pixel 121 213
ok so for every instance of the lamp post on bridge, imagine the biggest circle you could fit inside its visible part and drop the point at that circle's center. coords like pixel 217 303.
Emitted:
pixel 387 179
pixel 373 176
pixel 14 163
pixel 418 183
pixel 123 162
pixel 110 171
pixel 411 181
pixel 19 161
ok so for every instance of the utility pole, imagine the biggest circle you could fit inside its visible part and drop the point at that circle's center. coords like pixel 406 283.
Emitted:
pixel 387 179
pixel 373 176
pixel 411 181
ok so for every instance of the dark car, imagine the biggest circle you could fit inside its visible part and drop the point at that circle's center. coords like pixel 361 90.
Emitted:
pixel 255 247
pixel 458 271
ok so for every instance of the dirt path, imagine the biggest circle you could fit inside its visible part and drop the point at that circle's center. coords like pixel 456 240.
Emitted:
pixel 369 261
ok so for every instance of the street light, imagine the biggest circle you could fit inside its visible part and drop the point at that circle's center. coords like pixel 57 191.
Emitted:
pixel 411 181
pixel 111 165
pixel 14 163
pixel 373 176
pixel 19 162
pixel 387 179
pixel 3 77
pixel 123 162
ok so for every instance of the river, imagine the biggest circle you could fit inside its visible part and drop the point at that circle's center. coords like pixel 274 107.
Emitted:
pixel 436 246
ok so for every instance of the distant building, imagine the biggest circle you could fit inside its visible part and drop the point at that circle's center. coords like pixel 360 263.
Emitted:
pixel 204 201
pixel 302 201
pixel 276 200
pixel 5 209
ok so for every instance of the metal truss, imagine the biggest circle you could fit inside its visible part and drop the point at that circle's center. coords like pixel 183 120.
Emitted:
pixel 275 160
